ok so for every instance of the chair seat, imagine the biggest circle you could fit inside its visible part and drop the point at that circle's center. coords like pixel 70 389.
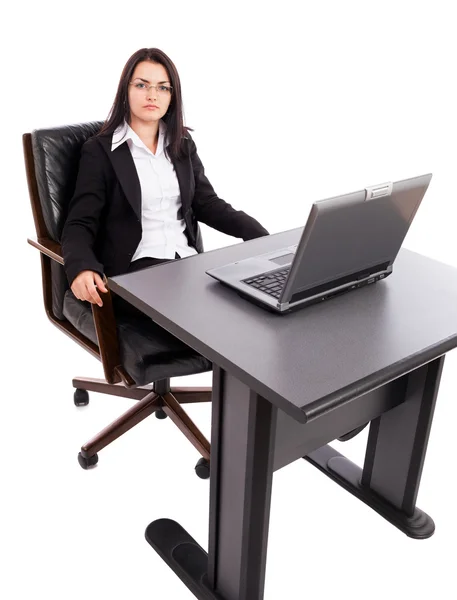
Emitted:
pixel 148 352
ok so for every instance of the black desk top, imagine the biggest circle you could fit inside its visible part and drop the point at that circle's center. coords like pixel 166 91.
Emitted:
pixel 319 357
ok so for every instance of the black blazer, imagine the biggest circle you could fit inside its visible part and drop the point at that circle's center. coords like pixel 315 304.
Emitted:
pixel 103 225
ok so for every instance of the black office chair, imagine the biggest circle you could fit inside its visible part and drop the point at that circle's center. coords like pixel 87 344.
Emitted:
pixel 138 356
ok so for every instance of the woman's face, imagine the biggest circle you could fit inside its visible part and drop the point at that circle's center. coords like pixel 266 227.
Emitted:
pixel 149 103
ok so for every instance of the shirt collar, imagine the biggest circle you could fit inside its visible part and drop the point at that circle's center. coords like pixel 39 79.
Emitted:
pixel 125 133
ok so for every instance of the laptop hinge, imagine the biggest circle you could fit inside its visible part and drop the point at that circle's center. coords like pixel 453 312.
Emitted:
pixel 283 305
pixel 378 191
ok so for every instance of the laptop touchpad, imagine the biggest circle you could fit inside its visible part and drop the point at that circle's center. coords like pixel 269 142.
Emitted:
pixel 285 259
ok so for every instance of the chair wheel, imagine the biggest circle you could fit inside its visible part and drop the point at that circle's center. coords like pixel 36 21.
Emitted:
pixel 202 468
pixel 81 397
pixel 87 463
pixel 160 414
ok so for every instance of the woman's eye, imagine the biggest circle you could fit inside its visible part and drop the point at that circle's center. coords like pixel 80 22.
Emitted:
pixel 140 86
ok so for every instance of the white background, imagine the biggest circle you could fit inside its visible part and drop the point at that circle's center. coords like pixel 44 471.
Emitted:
pixel 291 102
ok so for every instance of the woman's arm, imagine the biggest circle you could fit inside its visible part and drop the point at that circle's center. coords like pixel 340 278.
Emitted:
pixel 215 212
pixel 81 226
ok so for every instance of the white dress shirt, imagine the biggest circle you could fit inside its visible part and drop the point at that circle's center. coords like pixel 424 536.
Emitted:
pixel 163 231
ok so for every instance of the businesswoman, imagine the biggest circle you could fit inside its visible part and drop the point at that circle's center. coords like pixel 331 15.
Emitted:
pixel 141 187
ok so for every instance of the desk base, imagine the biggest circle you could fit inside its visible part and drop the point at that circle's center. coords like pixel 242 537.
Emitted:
pixel 349 476
pixel 183 555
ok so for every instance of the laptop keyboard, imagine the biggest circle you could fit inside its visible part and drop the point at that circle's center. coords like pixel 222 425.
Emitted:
pixel 270 283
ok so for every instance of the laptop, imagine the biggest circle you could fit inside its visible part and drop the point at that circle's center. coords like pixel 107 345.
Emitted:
pixel 348 242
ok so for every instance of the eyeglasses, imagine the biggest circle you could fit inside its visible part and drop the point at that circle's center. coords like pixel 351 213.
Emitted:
pixel 162 90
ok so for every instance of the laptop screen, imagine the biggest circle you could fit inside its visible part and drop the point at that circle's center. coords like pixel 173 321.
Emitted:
pixel 350 234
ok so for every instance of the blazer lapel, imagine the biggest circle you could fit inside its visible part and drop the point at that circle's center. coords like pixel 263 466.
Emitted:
pixel 183 172
pixel 125 170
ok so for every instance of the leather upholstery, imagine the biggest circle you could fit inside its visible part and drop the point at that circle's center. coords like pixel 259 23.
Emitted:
pixel 148 352
pixel 59 285
pixel 56 153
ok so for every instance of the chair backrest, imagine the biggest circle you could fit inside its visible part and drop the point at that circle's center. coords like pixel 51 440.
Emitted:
pixel 55 154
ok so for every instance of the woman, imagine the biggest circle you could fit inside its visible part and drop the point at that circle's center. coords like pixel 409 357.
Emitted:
pixel 141 187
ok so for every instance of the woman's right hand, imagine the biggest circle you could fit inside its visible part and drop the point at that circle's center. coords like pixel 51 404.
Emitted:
pixel 85 285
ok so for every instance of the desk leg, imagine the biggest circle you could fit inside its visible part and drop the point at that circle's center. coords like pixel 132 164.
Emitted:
pixel 242 451
pixel 397 444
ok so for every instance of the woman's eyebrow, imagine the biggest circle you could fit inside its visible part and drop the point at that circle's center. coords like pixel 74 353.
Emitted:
pixel 146 81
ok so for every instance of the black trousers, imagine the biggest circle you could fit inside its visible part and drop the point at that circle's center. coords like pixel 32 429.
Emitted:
pixel 121 306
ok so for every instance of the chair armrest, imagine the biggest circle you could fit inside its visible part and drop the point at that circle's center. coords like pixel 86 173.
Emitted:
pixel 48 247
pixel 104 320
pixel 108 343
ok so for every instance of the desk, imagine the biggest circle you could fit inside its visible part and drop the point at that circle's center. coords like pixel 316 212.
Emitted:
pixel 286 386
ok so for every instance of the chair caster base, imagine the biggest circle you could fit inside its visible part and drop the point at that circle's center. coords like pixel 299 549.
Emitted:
pixel 87 463
pixel 160 414
pixel 81 397
pixel 202 468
